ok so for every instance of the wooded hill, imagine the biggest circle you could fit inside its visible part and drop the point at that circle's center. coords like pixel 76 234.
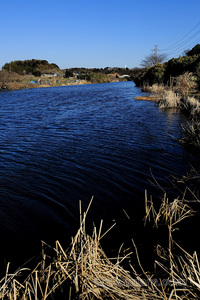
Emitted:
pixel 33 66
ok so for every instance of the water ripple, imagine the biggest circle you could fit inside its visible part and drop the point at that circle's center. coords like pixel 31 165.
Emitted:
pixel 60 145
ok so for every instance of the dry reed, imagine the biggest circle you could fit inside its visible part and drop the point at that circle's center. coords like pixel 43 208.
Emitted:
pixel 169 213
pixel 192 105
pixel 183 270
pixel 191 131
pixel 84 271
pixel 169 100
pixel 157 89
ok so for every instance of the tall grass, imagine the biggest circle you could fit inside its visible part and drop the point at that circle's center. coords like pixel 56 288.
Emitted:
pixel 169 213
pixel 191 134
pixel 169 99
pixel 157 89
pixel 84 271
pixel 190 105
pixel 182 271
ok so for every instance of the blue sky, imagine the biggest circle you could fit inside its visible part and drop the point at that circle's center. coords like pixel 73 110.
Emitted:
pixel 96 33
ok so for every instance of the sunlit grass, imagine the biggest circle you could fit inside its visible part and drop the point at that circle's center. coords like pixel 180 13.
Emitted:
pixel 84 271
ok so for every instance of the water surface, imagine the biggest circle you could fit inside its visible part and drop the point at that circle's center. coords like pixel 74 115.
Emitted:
pixel 65 144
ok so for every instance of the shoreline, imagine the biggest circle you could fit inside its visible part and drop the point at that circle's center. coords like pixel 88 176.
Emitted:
pixel 89 273
pixel 43 82
pixel 35 85
pixel 148 98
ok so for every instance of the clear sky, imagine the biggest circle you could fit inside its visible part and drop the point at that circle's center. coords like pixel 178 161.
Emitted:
pixel 97 34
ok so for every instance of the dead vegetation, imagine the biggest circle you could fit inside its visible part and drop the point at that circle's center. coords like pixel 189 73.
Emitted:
pixel 176 97
pixel 157 90
pixel 85 268
pixel 83 271
pixel 169 99
pixel 169 213
pixel 191 134
pixel 12 81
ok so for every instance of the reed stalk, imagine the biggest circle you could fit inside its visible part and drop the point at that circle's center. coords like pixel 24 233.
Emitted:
pixel 84 271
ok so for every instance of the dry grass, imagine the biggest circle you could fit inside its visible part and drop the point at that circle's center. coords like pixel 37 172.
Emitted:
pixel 85 272
pixel 185 83
pixel 169 213
pixel 169 100
pixel 191 131
pixel 157 90
pixel 85 268
pixel 192 106
pixel 183 275
pixel 181 272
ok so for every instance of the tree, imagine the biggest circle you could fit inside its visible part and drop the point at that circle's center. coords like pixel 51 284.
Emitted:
pixel 29 66
pixel 153 59
pixel 68 74
pixel 195 51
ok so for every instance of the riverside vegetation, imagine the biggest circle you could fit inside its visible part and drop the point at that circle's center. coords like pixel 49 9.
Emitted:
pixel 176 84
pixel 84 271
pixel 39 73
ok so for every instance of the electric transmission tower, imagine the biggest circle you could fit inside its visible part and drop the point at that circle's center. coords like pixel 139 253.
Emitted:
pixel 155 53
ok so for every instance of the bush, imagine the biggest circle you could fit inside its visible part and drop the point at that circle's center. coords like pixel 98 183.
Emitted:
pixel 157 89
pixel 28 66
pixel 84 77
pixel 99 78
pixel 185 83
pixel 163 72
pixel 36 73
pixel 68 74
pixel 195 50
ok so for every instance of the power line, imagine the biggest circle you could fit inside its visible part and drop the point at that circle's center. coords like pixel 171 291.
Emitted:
pixel 186 45
pixel 174 45
pixel 177 51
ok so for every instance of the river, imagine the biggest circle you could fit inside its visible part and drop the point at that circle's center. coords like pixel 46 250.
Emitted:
pixel 60 145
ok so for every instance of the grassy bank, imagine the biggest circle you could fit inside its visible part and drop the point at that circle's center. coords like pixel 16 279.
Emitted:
pixel 15 81
pixel 84 271
pixel 167 97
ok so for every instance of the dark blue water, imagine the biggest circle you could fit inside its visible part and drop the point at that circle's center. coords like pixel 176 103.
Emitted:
pixel 65 144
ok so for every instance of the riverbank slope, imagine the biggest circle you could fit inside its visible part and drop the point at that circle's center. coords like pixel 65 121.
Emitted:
pixel 14 81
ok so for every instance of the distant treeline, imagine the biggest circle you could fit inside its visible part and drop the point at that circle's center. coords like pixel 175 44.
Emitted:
pixel 36 66
pixel 105 71
pixel 33 66
pixel 97 75
pixel 164 73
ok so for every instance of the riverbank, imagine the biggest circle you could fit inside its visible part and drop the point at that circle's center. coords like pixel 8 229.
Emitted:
pixel 14 81
pixel 148 98
pixel 84 271
pixel 166 97
pixel 96 273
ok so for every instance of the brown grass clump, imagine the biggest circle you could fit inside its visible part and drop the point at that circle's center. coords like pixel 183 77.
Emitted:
pixel 83 271
pixel 191 131
pixel 192 106
pixel 169 100
pixel 169 213
pixel 185 83
pixel 181 272
pixel 157 89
